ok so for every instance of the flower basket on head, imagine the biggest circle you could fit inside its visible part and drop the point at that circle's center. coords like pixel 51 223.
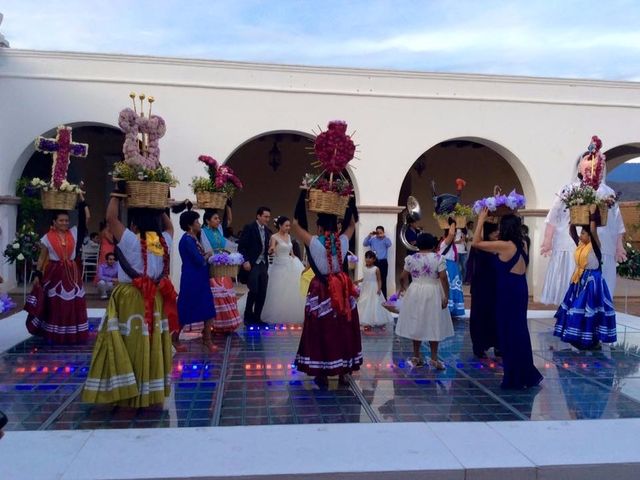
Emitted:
pixel 147 181
pixel 500 205
pixel 459 215
pixel 215 200
pixel 214 190
pixel 329 191
pixel 327 202
pixel 59 194
pixel 579 199
pixel 225 264
pixel 142 194
pixel 58 200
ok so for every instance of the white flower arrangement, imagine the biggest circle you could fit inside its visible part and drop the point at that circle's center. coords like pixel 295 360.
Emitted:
pixel 65 186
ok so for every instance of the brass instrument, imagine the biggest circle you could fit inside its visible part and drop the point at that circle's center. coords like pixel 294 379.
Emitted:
pixel 413 211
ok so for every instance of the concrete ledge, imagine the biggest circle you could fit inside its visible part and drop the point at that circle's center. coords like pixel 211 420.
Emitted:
pixel 582 450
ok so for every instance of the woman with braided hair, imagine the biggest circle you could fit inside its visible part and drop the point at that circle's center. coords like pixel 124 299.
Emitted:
pixel 330 343
pixel 131 361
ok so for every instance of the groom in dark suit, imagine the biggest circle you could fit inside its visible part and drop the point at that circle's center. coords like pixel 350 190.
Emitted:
pixel 254 246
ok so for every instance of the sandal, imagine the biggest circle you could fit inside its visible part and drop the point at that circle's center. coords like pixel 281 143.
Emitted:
pixel 437 364
pixel 416 362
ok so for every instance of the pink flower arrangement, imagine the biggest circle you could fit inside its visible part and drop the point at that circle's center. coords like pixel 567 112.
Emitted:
pixel 152 128
pixel 221 178
pixel 334 148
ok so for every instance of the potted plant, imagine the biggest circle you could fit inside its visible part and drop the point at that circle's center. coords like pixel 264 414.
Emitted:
pixel 147 181
pixel 220 184
pixel 460 215
pixel 329 190
pixel 578 199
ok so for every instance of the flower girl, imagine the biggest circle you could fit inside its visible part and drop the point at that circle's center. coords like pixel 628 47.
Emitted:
pixel 372 313
pixel 424 315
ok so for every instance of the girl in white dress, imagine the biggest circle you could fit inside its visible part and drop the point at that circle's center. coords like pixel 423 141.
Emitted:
pixel 424 315
pixel 372 313
pixel 283 303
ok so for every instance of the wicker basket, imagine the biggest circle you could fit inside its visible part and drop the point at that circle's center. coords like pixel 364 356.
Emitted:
pixel 391 307
pixel 461 221
pixel 147 194
pixel 327 202
pixel 217 271
pixel 579 215
pixel 443 222
pixel 217 200
pixel 604 216
pixel 57 200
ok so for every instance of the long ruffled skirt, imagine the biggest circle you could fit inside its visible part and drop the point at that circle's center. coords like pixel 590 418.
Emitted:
pixel 130 365
pixel 456 295
pixel 586 315
pixel 227 317
pixel 63 319
pixel 330 343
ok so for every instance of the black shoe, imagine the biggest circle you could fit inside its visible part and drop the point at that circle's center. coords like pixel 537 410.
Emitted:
pixel 261 324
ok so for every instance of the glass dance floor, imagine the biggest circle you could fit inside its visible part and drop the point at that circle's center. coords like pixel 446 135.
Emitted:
pixel 250 381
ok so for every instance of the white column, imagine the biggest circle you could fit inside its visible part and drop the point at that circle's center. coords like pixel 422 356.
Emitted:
pixel 370 217
pixel 538 264
pixel 8 216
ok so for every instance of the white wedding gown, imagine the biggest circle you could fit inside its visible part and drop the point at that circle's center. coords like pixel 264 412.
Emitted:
pixel 284 304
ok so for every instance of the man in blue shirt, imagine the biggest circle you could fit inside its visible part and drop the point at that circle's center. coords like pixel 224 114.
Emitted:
pixel 379 243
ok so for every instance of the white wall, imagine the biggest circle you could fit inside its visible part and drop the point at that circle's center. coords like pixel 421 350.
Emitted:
pixel 538 125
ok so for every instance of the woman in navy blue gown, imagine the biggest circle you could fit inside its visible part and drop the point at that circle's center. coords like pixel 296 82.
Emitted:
pixel 512 299
pixel 481 268
pixel 195 301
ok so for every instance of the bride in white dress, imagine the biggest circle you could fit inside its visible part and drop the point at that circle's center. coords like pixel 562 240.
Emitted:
pixel 283 303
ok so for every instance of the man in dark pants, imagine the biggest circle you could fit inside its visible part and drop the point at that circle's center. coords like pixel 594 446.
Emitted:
pixel 379 243
pixel 254 247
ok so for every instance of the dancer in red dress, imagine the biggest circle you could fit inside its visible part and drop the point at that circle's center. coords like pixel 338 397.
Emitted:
pixel 330 343
pixel 63 316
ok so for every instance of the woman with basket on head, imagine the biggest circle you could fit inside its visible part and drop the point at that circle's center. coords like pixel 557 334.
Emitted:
pixel 587 316
pixel 227 317
pixel 132 357
pixel 61 313
pixel 330 343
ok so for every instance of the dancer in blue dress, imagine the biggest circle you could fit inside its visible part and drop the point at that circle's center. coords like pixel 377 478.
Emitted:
pixel 512 299
pixel 447 249
pixel 195 301
pixel 587 316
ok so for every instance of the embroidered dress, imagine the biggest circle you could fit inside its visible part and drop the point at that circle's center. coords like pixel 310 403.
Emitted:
pixel 422 316
pixel 586 315
pixel 63 319
pixel 370 309
pixel 227 317
pixel 283 303
pixel 456 295
pixel 131 361
pixel 330 343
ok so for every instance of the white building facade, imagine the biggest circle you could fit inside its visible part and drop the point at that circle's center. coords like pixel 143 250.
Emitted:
pixel 537 126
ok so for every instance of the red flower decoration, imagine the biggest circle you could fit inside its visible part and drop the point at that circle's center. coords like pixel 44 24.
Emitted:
pixel 334 148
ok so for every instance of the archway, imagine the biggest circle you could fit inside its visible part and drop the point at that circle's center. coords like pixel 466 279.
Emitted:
pixel 623 175
pixel 271 166
pixel 481 163
pixel 105 148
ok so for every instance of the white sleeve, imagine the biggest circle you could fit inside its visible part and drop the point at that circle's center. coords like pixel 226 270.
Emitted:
pixel 204 240
pixel 128 242
pixel 169 239
pixel 558 215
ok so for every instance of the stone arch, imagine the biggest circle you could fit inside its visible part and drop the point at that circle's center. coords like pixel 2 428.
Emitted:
pixel 105 148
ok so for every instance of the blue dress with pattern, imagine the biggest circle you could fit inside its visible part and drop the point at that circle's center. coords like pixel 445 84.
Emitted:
pixel 195 301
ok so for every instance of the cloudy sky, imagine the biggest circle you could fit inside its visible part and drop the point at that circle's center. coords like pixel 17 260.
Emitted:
pixel 557 38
